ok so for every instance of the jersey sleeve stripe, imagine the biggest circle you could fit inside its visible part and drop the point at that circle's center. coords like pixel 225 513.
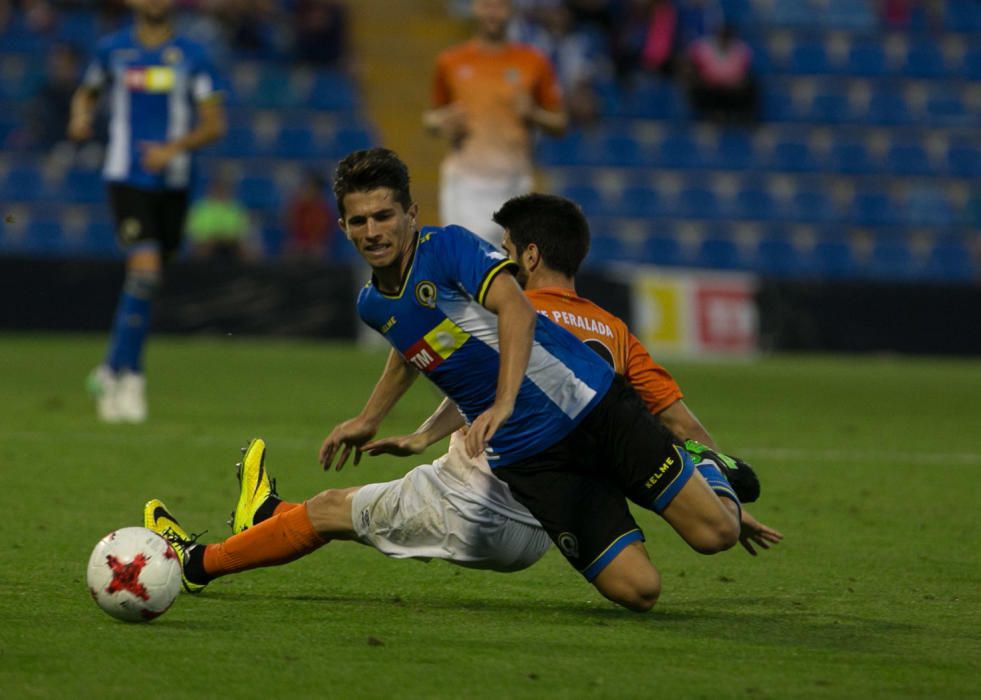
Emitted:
pixel 491 274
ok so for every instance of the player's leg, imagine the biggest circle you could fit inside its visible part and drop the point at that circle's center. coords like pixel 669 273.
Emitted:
pixel 657 473
pixel 587 517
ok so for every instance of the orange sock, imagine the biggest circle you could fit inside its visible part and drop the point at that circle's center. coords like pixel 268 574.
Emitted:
pixel 286 536
pixel 284 507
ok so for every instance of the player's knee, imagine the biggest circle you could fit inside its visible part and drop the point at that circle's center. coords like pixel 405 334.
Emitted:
pixel 716 535
pixel 637 592
pixel 330 512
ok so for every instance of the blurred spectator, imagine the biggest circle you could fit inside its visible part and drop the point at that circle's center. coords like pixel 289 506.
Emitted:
pixel 572 55
pixel 219 227
pixel 311 221
pixel 696 19
pixel 489 94
pixel 51 106
pixel 721 85
pixel 645 37
pixel 321 31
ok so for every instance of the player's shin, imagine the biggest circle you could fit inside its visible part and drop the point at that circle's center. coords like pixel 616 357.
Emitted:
pixel 279 540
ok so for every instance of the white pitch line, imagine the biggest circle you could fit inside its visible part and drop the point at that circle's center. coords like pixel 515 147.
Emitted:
pixel 849 455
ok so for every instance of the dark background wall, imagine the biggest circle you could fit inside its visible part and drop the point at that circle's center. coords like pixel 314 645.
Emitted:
pixel 318 301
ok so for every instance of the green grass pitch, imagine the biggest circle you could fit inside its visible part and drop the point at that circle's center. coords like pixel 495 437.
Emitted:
pixel 870 467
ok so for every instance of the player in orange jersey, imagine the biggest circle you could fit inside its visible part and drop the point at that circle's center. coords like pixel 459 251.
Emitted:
pixel 488 96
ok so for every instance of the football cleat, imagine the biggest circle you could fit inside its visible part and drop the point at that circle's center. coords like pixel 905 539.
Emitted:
pixel 255 486
pixel 131 397
pixel 156 517
pixel 103 385
pixel 741 476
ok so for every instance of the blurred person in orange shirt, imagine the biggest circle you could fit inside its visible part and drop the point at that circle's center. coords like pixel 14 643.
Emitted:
pixel 489 94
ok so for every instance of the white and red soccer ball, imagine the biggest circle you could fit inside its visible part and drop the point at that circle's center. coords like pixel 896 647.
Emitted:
pixel 134 574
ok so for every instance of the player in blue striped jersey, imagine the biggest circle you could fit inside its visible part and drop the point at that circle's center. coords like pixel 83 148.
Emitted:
pixel 571 440
pixel 164 100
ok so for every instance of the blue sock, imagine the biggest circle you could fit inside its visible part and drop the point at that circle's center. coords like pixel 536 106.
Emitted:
pixel 717 480
pixel 130 326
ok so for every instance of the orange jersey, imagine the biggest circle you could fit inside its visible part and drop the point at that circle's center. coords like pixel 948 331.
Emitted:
pixel 488 84
pixel 609 336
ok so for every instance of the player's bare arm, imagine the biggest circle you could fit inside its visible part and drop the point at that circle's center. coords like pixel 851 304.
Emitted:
pixel 83 105
pixel 552 122
pixel 394 381
pixel 445 420
pixel 448 122
pixel 683 424
pixel 516 327
pixel 212 125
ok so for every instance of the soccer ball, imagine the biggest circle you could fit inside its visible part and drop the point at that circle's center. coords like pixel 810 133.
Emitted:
pixel 134 574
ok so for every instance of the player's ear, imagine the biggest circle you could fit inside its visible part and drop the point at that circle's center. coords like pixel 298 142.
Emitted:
pixel 342 225
pixel 413 212
pixel 532 256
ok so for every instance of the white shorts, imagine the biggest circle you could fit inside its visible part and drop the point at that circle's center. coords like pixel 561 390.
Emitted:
pixel 426 516
pixel 470 200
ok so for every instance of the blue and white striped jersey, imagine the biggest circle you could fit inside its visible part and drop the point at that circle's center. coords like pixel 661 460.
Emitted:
pixel 152 95
pixel 439 325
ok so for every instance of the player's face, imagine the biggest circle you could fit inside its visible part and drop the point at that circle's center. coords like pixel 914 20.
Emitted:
pixel 153 10
pixel 380 229
pixel 492 17
pixel 512 252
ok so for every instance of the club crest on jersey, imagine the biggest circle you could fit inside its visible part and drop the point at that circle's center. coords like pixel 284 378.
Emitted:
pixel 426 294
pixel 172 55
pixel 569 545
pixel 436 346
pixel 149 78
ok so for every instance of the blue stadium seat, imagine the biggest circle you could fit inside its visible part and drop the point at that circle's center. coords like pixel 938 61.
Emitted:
pixel 874 209
pixel 887 107
pixel 755 205
pixel 24 184
pixel 719 253
pixel 100 238
pixel 562 151
pixel 809 58
pixel 924 60
pixel 945 107
pixel 83 187
pixel 699 203
pixel 44 236
pixel 332 91
pixel 296 142
pixel 950 261
pixel 778 106
pixel 734 151
pixel 662 250
pixel 850 157
pixel 830 108
pixel 259 192
pixel 908 158
pixel 962 16
pixel 776 256
pixel 605 247
pixel 793 156
pixel 972 63
pixel 589 198
pixel 926 205
pixel 352 138
pixel 964 160
pixel 833 258
pixel 812 206
pixel 623 151
pixel 891 259
pixel 639 202
pixel 238 142
pixel 679 150
pixel 867 58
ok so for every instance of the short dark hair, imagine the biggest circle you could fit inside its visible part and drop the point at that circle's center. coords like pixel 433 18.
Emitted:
pixel 363 171
pixel 555 224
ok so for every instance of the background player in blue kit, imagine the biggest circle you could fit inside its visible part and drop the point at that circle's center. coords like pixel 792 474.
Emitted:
pixel 569 438
pixel 164 103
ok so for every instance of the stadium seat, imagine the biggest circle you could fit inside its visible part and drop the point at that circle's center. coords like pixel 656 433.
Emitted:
pixel 850 157
pixel 734 151
pixel 641 202
pixel 908 158
pixel 793 156
pixel 259 192
pixel 833 258
pixel 332 91
pixel 891 259
pixel 754 205
pixel 950 261
pixel 873 209
pixel 887 107
pixel 830 108
pixel 623 151
pixel 662 250
pixel 83 187
pixel 590 199
pixel 699 203
pixel 719 253
pixel 809 58
pixel 812 206
pixel 23 184
pixel 867 58
pixel 352 138
pixel 945 107
pixel 924 60
pixel 964 160
pixel 679 150
pixel 776 256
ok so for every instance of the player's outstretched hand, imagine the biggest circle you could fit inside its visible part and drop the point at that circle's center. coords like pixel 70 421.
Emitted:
pixel 399 446
pixel 484 427
pixel 753 532
pixel 347 436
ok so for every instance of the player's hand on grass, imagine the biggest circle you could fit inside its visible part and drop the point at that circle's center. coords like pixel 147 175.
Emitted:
pixel 753 532
pixel 399 446
pixel 484 427
pixel 349 435
pixel 156 156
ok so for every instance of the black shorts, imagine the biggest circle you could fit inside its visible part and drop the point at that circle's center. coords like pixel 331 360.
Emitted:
pixel 149 215
pixel 577 488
